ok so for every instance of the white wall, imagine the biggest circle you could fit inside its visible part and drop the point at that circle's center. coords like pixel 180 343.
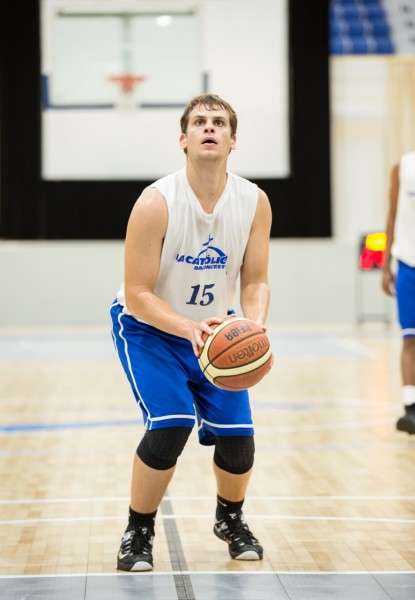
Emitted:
pixel 74 283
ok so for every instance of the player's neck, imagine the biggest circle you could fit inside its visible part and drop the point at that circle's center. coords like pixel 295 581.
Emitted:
pixel 207 183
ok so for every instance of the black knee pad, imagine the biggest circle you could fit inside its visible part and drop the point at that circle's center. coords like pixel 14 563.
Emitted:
pixel 160 448
pixel 234 454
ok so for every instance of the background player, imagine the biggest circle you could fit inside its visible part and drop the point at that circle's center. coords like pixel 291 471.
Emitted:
pixel 190 235
pixel 400 231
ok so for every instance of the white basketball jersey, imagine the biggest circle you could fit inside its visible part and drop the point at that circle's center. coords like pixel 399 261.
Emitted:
pixel 202 253
pixel 403 247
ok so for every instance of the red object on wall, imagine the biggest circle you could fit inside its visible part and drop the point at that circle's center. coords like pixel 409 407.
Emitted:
pixel 372 251
pixel 371 259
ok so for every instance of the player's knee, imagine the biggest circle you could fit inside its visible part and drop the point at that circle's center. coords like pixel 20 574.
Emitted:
pixel 234 454
pixel 160 448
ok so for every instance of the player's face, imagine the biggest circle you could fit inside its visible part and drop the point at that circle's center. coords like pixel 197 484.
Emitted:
pixel 208 133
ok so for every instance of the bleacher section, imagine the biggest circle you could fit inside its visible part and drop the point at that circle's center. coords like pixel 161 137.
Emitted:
pixel 359 27
pixel 372 27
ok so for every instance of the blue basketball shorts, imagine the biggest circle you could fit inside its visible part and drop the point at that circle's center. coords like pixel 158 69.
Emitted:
pixel 405 294
pixel 169 386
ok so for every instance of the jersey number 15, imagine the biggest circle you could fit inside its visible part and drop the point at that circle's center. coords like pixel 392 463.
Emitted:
pixel 202 297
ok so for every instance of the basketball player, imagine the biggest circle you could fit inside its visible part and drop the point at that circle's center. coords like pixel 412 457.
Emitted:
pixel 400 231
pixel 190 235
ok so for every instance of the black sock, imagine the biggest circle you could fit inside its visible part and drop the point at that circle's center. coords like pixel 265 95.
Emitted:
pixel 135 519
pixel 225 507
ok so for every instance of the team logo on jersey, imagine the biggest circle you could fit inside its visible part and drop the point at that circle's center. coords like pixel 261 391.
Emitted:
pixel 210 257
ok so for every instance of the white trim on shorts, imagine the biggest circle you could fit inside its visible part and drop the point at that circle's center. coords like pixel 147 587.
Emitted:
pixel 142 403
pixel 150 420
pixel 236 426
pixel 408 331
pixel 168 417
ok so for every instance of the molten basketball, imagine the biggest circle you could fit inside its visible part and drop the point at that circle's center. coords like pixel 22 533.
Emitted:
pixel 236 355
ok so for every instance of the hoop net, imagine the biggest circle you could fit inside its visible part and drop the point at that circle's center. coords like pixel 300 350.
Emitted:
pixel 128 89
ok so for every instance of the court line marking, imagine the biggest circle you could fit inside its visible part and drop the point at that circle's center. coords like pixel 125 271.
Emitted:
pixel 33 427
pixel 196 516
pixel 24 428
pixel 237 573
pixel 197 499
pixel 182 582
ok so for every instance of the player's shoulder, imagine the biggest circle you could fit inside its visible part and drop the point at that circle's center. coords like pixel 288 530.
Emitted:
pixel 407 159
pixel 168 179
pixel 150 196
pixel 262 196
pixel 242 184
pixel 167 187
pixel 149 213
pixel 150 204
pixel 238 178
pixel 404 166
pixel 263 210
pixel 258 194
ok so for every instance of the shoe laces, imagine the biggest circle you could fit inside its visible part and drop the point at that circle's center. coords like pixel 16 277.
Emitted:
pixel 140 541
pixel 238 529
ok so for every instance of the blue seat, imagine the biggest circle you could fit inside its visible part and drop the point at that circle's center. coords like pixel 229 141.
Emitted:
pixel 349 12
pixel 336 45
pixel 334 26
pixel 345 11
pixel 374 11
pixel 359 27
pixel 332 9
pixel 384 45
pixel 354 27
pixel 359 45
pixel 378 27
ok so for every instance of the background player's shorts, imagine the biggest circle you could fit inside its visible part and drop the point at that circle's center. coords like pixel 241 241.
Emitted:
pixel 405 294
pixel 169 386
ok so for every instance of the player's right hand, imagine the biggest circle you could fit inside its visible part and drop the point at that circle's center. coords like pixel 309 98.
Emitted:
pixel 198 330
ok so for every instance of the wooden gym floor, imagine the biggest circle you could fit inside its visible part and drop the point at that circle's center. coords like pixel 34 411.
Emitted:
pixel 332 497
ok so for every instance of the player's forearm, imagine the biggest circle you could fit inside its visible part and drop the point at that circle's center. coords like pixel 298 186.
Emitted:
pixel 148 307
pixel 254 300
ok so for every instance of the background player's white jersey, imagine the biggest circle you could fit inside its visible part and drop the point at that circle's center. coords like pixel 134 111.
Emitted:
pixel 202 253
pixel 403 247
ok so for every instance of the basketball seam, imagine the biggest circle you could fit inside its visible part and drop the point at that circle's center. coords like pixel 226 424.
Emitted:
pixel 211 337
pixel 259 362
pixel 226 349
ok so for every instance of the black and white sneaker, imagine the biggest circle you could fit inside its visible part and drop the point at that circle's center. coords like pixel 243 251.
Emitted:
pixel 135 553
pixel 407 422
pixel 243 545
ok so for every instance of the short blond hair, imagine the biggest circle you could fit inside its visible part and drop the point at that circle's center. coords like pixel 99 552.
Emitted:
pixel 211 102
